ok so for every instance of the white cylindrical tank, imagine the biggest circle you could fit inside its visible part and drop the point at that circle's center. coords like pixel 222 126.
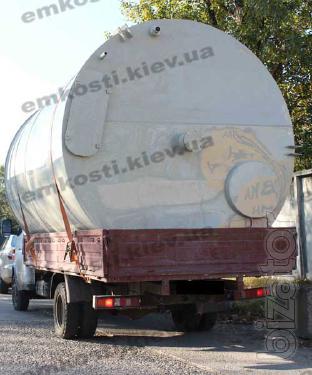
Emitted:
pixel 169 124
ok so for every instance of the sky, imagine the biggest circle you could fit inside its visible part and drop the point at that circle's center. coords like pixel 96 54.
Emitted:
pixel 41 55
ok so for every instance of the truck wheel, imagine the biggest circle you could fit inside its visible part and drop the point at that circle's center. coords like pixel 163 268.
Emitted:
pixel 186 319
pixel 66 315
pixel 4 289
pixel 208 321
pixel 20 298
pixel 88 321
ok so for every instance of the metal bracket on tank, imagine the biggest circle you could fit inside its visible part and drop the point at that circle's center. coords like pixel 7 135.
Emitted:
pixel 124 32
pixel 295 148
pixel 294 154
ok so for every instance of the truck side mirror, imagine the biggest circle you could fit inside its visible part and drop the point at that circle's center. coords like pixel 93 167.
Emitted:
pixel 6 227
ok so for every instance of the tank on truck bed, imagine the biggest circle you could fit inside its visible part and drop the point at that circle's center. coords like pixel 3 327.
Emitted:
pixel 157 178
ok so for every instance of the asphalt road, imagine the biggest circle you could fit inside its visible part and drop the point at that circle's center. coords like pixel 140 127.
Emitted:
pixel 147 346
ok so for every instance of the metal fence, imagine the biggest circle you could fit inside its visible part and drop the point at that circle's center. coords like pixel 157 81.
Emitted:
pixel 297 211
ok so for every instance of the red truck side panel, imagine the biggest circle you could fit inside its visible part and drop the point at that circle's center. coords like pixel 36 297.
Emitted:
pixel 170 254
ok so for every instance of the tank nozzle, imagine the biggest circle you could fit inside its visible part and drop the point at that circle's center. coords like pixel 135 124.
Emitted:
pixel 190 141
pixel 155 31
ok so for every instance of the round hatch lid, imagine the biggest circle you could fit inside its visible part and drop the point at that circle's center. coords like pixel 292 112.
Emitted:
pixel 252 189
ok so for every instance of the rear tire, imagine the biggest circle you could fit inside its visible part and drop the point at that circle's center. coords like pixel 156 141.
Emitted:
pixel 20 298
pixel 66 315
pixel 208 321
pixel 4 288
pixel 88 321
pixel 187 319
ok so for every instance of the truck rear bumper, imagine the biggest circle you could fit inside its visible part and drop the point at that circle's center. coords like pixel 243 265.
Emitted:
pixel 205 302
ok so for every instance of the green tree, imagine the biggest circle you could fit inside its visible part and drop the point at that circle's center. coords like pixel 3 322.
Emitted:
pixel 279 32
pixel 5 210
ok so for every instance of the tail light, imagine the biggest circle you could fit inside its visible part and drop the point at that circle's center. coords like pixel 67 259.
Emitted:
pixel 252 293
pixel 11 254
pixel 256 293
pixel 116 302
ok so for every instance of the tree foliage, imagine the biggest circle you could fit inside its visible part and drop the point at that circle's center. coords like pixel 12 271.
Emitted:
pixel 279 32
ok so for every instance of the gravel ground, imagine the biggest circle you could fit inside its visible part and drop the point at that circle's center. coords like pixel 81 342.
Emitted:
pixel 147 346
pixel 34 349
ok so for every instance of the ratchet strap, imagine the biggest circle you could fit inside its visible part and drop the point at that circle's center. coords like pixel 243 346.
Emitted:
pixel 29 248
pixel 71 247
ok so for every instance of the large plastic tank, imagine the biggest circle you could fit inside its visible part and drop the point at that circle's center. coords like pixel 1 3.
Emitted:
pixel 169 124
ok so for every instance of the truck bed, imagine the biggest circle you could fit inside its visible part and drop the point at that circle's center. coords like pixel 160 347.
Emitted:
pixel 169 254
